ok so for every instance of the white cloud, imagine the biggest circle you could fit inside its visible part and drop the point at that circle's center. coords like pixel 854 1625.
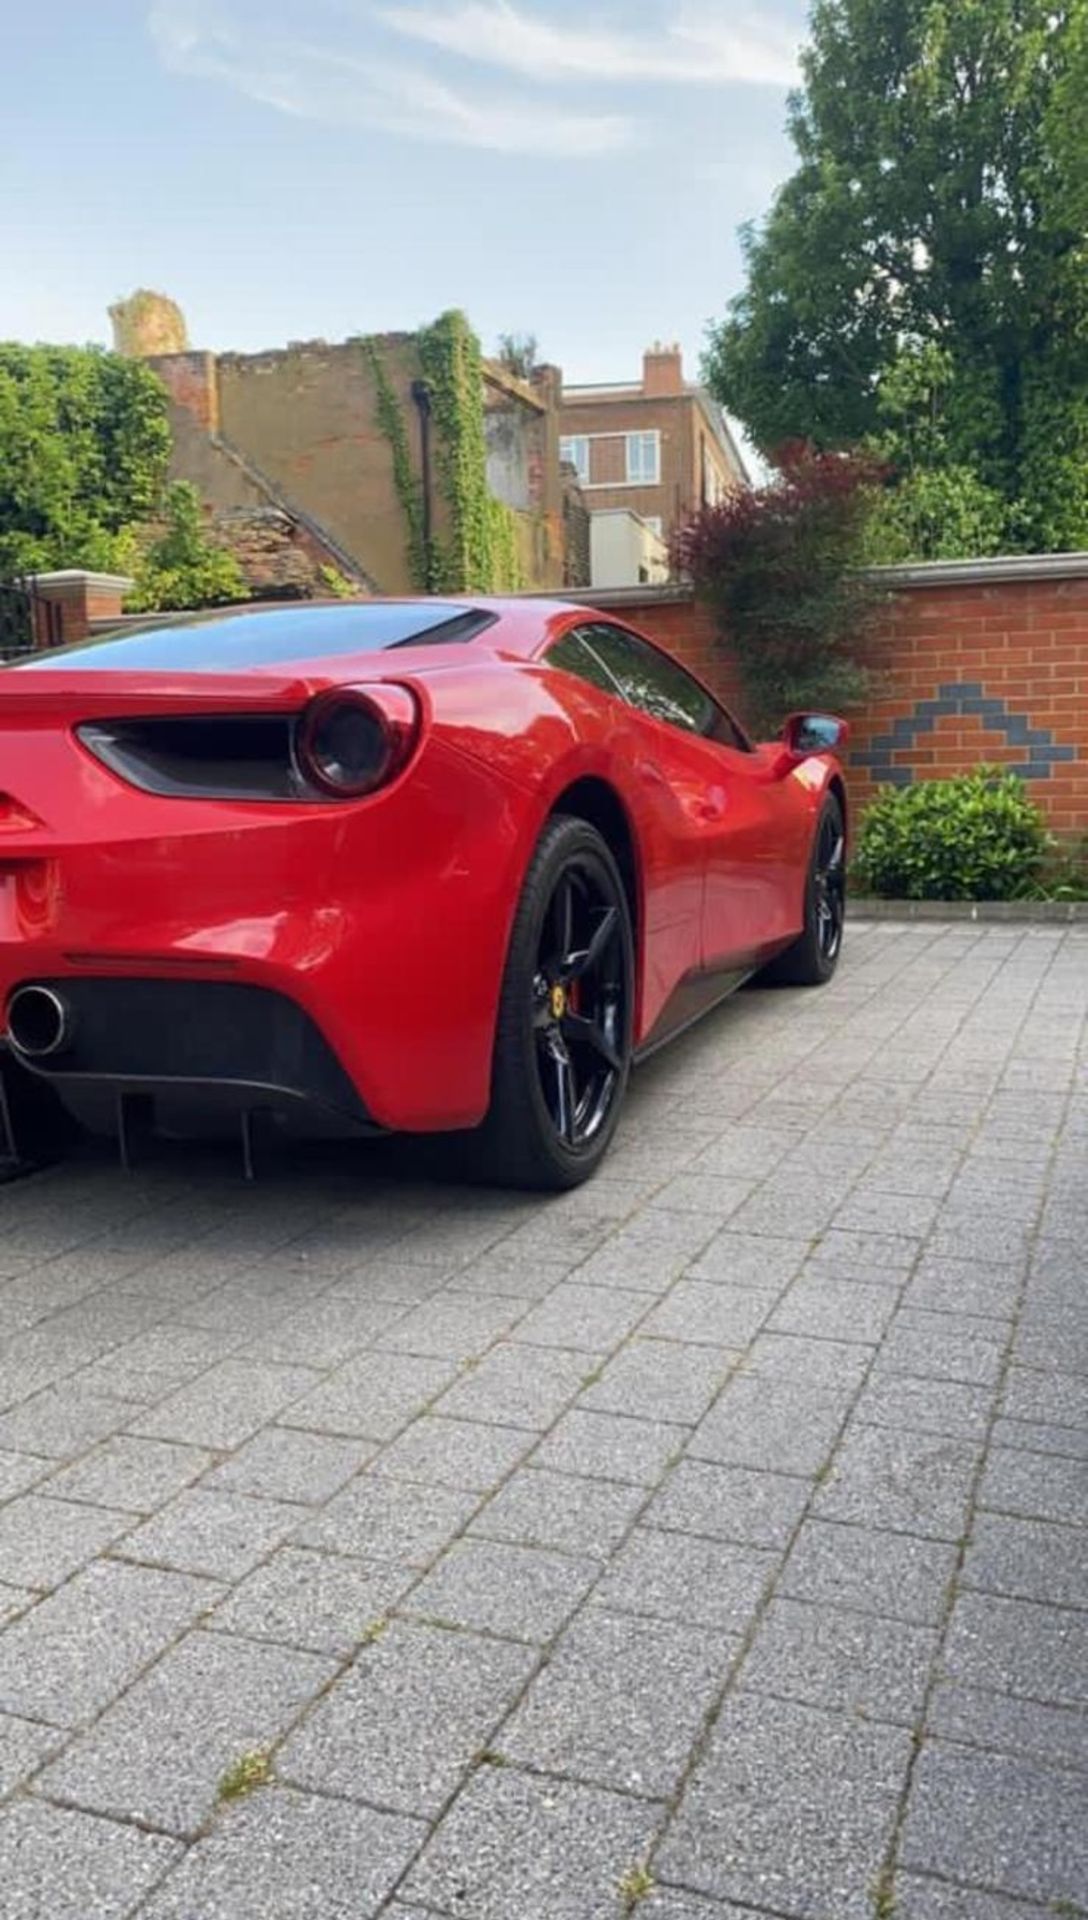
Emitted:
pixel 697 48
pixel 346 89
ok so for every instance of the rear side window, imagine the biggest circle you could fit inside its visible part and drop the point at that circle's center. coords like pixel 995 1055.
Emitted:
pixel 573 655
pixel 658 685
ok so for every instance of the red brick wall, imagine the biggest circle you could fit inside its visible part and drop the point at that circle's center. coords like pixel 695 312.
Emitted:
pixel 968 672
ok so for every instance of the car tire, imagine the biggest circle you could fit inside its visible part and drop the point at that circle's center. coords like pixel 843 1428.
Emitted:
pixel 550 1125
pixel 812 959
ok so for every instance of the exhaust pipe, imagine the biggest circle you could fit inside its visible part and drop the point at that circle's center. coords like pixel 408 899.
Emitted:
pixel 39 1022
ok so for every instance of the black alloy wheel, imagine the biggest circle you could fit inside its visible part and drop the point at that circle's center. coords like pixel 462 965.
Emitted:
pixel 829 884
pixel 563 1039
pixel 813 957
pixel 579 1002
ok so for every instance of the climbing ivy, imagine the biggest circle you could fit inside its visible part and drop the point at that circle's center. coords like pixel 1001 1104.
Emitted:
pixel 478 552
pixel 405 479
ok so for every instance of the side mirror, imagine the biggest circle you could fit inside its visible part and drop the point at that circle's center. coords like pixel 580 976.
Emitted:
pixel 806 733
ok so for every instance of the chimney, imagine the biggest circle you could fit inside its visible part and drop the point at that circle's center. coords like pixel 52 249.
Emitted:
pixel 662 372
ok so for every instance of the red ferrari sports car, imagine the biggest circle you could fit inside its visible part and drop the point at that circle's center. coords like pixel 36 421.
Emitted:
pixel 415 866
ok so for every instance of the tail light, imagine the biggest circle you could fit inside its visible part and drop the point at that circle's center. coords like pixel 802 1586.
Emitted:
pixel 356 739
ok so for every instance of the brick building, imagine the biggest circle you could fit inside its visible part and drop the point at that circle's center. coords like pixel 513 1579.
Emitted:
pixel 660 448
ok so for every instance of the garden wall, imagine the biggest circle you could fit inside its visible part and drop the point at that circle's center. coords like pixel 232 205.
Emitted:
pixel 979 661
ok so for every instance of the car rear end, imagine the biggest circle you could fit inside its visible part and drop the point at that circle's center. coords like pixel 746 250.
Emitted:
pixel 273 887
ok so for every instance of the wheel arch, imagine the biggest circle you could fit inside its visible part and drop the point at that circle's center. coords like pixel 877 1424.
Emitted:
pixel 596 801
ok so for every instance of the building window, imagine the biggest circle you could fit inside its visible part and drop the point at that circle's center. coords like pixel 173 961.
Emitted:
pixel 574 450
pixel 653 521
pixel 643 459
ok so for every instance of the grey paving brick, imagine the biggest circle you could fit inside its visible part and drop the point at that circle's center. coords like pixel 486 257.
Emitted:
pixel 713 1195
pixel 729 1503
pixel 42 1541
pixel 912 1214
pixel 74 1652
pixel 819 1363
pixel 454 1453
pixel 158 1754
pixel 963 1286
pixel 313 1600
pixel 226 1404
pixel 892 1574
pixel 500 1588
pixel 668 1903
pixel 325 1332
pixel 404 1724
pixel 1019 1647
pixel 543 1509
pixel 700 1312
pixel 516 1386
pixel 907 1482
pixel 656 1380
pixel 61 1421
pixel 998 1821
pixel 456 1327
pixel 24 1745
pixel 388 1520
pixel 1021 1483
pixel 866 1256
pixel 749 1260
pixel 290 1857
pixel 130 1473
pixel 372 1396
pixel 834 1657
pixel 822 1308
pixel 1052 1339
pixel 1024 1436
pixel 791 1808
pixel 677 1576
pixel 154 1363
pixel 925 1406
pixel 589 1319
pixel 56 1861
pixel 18 1471
pixel 771 1423
pixel 611 1447
pixel 221 1535
pixel 620 1702
pixel 943 1346
pixel 918 1898
pixel 1027 1559
pixel 286 1463
pixel 1057 1398
pixel 978 1717
pixel 540 1849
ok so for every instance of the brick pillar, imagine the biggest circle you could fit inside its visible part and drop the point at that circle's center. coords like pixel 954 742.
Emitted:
pixel 71 601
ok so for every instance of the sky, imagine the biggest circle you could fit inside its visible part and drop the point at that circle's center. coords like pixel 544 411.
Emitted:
pixel 309 169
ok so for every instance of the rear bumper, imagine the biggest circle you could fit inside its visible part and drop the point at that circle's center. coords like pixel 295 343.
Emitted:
pixel 344 959
pixel 223 1042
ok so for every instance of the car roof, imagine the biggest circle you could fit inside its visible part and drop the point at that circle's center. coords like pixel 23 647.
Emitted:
pixel 222 639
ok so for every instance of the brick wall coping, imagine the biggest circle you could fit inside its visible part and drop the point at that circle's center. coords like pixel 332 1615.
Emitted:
pixel 930 573
pixel 65 577
pixel 987 573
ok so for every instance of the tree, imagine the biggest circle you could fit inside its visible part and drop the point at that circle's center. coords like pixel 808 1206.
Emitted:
pixel 518 354
pixel 778 565
pixel 940 203
pixel 84 443
pixel 183 567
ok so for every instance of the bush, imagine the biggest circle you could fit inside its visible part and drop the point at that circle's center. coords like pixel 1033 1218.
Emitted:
pixel 977 837
pixel 183 568
pixel 779 565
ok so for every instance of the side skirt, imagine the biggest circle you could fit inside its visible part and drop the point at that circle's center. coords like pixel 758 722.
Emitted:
pixel 697 994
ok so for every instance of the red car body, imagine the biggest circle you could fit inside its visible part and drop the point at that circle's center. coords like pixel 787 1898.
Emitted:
pixel 384 919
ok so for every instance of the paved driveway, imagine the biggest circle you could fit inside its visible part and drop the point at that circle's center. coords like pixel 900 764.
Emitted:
pixel 710 1541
